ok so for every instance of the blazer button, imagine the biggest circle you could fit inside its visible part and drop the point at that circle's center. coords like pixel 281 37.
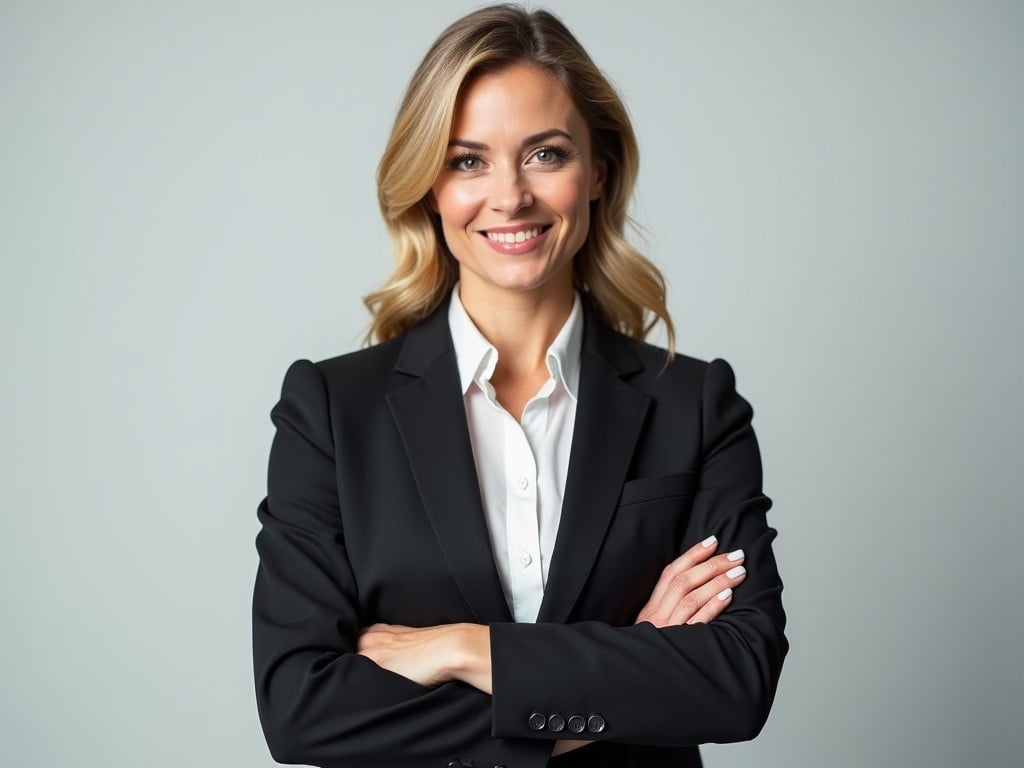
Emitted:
pixel 556 723
pixel 577 724
pixel 595 724
pixel 537 720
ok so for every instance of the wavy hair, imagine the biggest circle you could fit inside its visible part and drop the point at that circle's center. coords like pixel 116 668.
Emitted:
pixel 625 288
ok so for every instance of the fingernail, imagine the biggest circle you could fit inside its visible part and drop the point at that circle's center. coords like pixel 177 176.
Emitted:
pixel 734 556
pixel 724 594
pixel 709 542
pixel 735 573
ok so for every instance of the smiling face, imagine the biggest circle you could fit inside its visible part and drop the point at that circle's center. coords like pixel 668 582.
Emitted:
pixel 514 193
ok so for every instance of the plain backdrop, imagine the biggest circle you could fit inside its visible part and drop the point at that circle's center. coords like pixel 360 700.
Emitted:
pixel 835 192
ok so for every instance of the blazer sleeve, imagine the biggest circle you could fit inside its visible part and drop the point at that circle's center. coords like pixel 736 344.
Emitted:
pixel 680 685
pixel 320 703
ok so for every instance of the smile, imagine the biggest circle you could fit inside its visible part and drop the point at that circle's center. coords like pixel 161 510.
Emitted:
pixel 512 241
pixel 515 237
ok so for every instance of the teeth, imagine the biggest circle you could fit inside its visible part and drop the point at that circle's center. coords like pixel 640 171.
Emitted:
pixel 514 237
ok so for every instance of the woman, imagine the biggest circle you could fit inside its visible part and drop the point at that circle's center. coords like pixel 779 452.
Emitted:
pixel 511 531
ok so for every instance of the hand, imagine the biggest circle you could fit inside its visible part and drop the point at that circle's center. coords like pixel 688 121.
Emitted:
pixel 695 587
pixel 431 655
pixel 434 655
pixel 690 590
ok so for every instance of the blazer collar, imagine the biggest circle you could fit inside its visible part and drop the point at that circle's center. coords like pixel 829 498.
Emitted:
pixel 431 418
pixel 425 342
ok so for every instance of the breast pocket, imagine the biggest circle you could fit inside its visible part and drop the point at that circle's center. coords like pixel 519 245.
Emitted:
pixel 666 487
pixel 645 536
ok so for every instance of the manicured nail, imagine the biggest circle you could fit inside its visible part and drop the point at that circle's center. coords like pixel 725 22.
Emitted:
pixel 734 556
pixel 735 573
pixel 709 542
pixel 724 594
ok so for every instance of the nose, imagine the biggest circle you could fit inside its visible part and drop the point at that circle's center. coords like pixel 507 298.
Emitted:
pixel 510 191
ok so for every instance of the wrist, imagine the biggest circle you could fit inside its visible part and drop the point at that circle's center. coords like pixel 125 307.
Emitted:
pixel 470 656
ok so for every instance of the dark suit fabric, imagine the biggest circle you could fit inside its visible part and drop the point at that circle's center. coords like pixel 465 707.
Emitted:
pixel 373 514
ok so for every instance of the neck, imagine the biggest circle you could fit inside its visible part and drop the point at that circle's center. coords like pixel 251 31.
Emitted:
pixel 520 325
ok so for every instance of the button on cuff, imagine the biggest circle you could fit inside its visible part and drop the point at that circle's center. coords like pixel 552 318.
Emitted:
pixel 537 721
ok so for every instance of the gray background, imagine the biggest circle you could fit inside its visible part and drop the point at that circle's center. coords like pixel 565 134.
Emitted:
pixel 836 195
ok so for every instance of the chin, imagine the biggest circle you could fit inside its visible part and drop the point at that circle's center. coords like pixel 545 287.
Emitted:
pixel 525 282
pixel 527 276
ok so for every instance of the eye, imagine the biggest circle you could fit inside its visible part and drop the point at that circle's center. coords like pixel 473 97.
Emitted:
pixel 465 162
pixel 550 155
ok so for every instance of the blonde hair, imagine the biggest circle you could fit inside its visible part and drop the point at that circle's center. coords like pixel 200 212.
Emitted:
pixel 625 288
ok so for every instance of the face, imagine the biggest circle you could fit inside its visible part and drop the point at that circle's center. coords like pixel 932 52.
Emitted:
pixel 514 193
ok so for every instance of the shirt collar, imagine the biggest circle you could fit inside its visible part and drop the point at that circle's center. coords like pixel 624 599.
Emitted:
pixel 477 357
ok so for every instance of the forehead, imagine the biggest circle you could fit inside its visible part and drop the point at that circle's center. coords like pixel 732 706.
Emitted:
pixel 516 100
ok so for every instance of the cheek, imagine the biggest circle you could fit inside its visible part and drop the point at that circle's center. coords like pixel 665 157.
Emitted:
pixel 456 205
pixel 569 200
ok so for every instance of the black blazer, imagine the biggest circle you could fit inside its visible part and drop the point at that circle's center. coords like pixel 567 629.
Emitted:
pixel 373 514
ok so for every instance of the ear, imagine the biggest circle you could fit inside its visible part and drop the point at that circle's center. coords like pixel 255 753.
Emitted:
pixel 597 183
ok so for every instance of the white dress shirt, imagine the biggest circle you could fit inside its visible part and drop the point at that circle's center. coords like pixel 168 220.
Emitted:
pixel 521 466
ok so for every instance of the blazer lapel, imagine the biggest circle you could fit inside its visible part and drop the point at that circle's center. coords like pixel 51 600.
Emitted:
pixel 610 415
pixel 431 419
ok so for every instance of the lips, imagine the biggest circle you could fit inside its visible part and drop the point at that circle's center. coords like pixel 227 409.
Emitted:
pixel 517 236
pixel 517 240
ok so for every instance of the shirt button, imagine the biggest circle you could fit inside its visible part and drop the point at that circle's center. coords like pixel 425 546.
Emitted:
pixel 525 559
pixel 522 482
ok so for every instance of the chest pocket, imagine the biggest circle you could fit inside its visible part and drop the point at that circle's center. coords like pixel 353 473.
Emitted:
pixel 657 488
pixel 645 535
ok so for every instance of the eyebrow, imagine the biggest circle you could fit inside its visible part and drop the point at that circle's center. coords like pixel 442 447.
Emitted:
pixel 534 139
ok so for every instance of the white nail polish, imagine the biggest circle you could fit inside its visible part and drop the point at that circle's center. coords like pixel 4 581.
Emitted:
pixel 724 594
pixel 735 573
pixel 709 542
pixel 734 556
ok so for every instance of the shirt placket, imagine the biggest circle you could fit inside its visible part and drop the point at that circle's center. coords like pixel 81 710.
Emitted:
pixel 522 528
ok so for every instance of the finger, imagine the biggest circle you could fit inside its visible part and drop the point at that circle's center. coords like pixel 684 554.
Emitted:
pixel 698 553
pixel 675 582
pixel 677 601
pixel 707 594
pixel 713 608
